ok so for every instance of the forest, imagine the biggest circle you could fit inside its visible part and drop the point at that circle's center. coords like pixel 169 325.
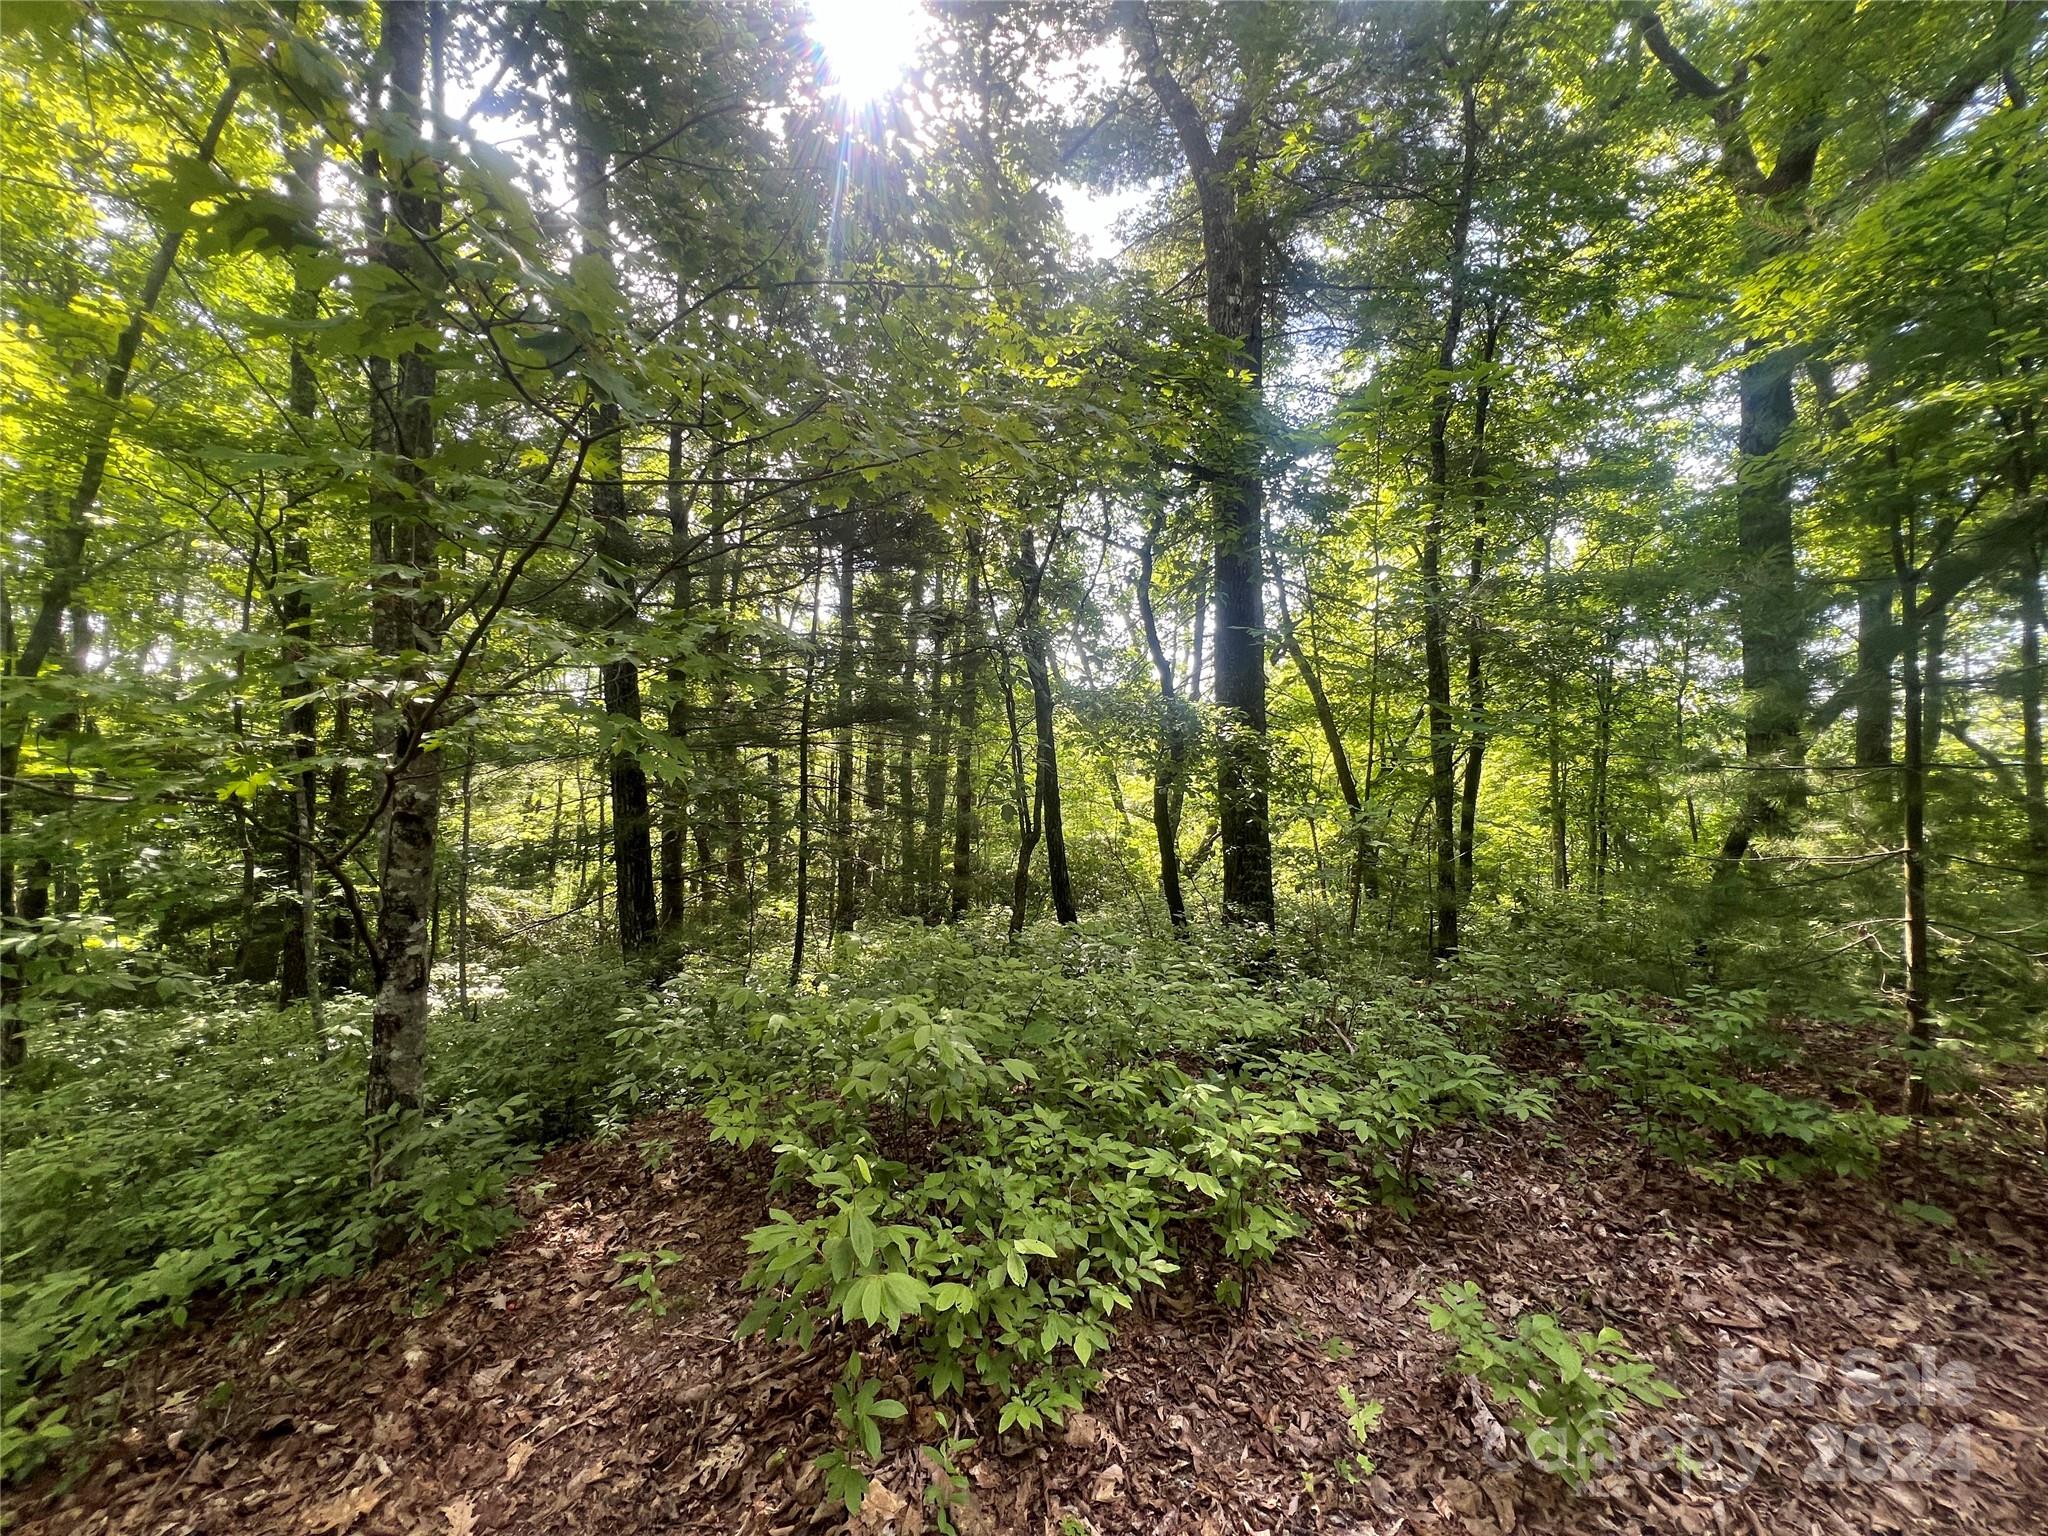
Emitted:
pixel 983 766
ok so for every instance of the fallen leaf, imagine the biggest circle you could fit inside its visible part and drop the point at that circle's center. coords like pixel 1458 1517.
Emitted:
pixel 461 1516
pixel 719 1463
pixel 878 1508
pixel 516 1460
pixel 1084 1429
pixel 344 1509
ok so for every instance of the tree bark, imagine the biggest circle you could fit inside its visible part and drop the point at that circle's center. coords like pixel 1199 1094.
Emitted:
pixel 1169 763
pixel 907 820
pixel 731 799
pixel 1435 607
pixel 1553 722
pixel 845 891
pixel 1038 668
pixel 963 763
pixel 1029 798
pixel 803 777
pixel 1769 612
pixel 1475 660
pixel 676 800
pixel 406 619
pixel 2032 777
pixel 938 759
pixel 1913 804
pixel 342 936
pixel 1874 676
pixel 299 970
pixel 619 676
pixel 1233 260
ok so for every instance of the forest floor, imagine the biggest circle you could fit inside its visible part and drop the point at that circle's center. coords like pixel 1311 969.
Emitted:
pixel 1910 1391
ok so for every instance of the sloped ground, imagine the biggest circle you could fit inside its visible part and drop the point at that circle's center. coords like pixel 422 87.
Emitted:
pixel 536 1401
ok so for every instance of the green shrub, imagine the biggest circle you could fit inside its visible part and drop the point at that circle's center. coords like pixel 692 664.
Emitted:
pixel 1360 1419
pixel 1564 1391
pixel 990 1151
pixel 1684 1074
pixel 1401 1081
pixel 160 1156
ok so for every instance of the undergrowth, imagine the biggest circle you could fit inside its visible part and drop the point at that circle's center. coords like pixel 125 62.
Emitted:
pixel 1689 1080
pixel 156 1158
pixel 985 1153
pixel 990 1151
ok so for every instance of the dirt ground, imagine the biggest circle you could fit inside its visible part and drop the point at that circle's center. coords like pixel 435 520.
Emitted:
pixel 1847 1368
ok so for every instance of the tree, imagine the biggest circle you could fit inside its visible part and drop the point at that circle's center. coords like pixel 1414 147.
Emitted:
pixel 1234 239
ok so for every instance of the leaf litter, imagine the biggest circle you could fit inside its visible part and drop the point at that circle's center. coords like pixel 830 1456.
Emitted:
pixel 533 1400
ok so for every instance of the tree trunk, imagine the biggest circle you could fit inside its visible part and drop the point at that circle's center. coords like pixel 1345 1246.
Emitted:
pixel 731 799
pixel 1874 677
pixel 1038 667
pixel 462 880
pixel 1233 260
pixel 1913 801
pixel 2032 777
pixel 803 778
pixel 1600 828
pixel 1435 609
pixel 1553 693
pixel 342 936
pixel 1475 665
pixel 907 821
pixel 676 799
pixel 845 891
pixel 1769 612
pixel 1169 763
pixel 299 970
pixel 1333 736
pixel 406 618
pixel 1029 798
pixel 963 764
pixel 938 758
pixel 619 677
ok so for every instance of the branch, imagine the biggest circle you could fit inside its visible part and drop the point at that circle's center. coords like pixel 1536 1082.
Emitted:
pixel 1188 126
pixel 2000 769
pixel 1724 102
pixel 1691 79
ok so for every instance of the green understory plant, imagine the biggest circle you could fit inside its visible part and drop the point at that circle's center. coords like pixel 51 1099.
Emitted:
pixel 171 1154
pixel 1360 1419
pixel 1564 1390
pixel 1687 1074
pixel 989 1152
pixel 642 1274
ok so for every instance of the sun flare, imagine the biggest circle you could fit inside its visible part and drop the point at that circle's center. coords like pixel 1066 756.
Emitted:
pixel 864 46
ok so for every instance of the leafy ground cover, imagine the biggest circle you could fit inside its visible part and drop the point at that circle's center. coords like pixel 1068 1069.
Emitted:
pixel 1086 1230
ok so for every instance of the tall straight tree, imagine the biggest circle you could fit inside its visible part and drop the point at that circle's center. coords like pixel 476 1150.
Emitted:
pixel 1169 762
pixel 406 610
pixel 960 892
pixel 1234 239
pixel 1032 640
pixel 1436 638
pixel 618 673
